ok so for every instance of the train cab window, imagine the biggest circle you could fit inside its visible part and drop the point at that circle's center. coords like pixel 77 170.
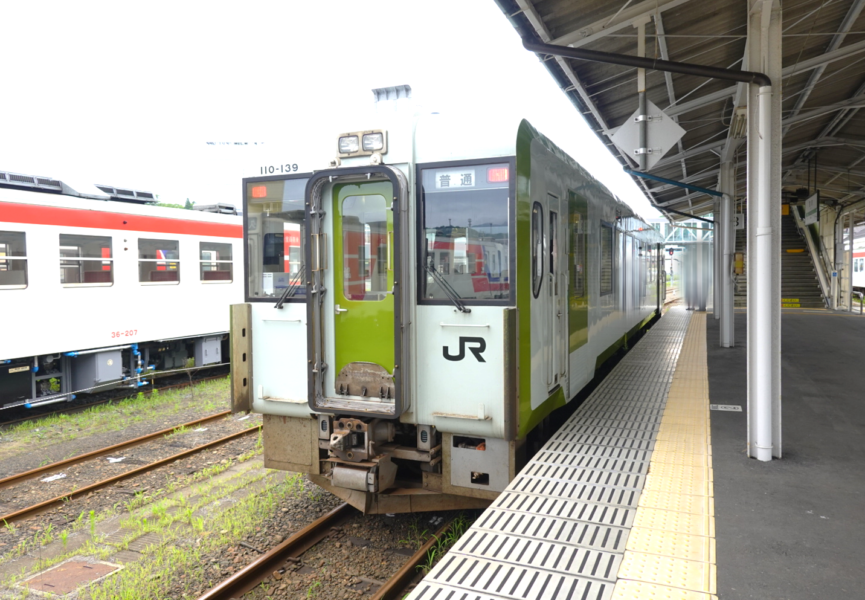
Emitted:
pixel 275 238
pixel 13 260
pixel 466 232
pixel 158 261
pixel 86 260
pixel 537 248
pixel 606 270
pixel 215 262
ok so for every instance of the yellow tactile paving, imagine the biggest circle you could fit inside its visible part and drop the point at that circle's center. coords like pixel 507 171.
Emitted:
pixel 691 459
pixel 681 446
pixel 678 545
pixel 670 553
pixel 675 521
pixel 692 575
pixel 680 471
pixel 678 486
pixel 627 590
pixel 697 505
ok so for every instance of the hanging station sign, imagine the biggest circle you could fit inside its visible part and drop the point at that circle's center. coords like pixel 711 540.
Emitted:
pixel 812 209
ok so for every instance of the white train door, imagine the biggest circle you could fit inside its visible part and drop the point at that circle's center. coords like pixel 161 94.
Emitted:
pixel 555 292
pixel 549 286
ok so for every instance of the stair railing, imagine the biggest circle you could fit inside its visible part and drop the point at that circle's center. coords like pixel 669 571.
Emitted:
pixel 818 256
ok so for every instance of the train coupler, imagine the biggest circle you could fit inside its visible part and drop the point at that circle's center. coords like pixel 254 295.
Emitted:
pixel 373 476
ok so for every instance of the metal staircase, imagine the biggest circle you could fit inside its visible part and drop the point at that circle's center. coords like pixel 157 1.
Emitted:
pixel 800 287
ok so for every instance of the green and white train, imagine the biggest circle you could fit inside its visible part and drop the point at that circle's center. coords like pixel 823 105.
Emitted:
pixel 418 308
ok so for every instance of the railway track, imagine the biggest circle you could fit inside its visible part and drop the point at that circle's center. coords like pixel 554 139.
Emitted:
pixel 59 500
pixel 291 549
pixel 109 396
pixel 62 464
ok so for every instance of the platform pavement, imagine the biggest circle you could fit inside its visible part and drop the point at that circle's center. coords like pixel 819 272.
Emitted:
pixel 793 529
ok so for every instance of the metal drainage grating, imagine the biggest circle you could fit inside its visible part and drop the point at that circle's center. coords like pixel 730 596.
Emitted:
pixel 500 580
pixel 560 528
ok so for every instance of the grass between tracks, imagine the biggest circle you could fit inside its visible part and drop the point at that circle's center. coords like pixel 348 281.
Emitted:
pixel 458 527
pixel 159 503
pixel 208 396
pixel 182 560
pixel 190 528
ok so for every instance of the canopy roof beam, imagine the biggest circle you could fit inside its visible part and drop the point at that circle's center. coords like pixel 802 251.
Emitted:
pixel 805 65
pixel 626 17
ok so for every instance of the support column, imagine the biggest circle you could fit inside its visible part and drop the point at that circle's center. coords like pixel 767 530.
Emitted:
pixel 641 94
pixel 838 261
pixel 717 273
pixel 726 237
pixel 764 240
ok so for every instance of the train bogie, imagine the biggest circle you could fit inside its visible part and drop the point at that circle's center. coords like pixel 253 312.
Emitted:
pixel 448 299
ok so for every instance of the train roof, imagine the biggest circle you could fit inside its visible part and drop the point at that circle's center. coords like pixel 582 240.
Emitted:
pixel 47 191
pixel 481 137
pixel 42 198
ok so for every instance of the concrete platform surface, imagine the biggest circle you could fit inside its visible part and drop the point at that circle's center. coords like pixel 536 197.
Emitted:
pixel 793 529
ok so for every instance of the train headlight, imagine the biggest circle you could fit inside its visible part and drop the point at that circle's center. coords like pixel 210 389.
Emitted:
pixel 362 143
pixel 348 144
pixel 373 141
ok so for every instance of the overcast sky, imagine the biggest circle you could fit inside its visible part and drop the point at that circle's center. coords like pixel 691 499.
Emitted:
pixel 128 94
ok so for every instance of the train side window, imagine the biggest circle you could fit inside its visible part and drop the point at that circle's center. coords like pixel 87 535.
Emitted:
pixel 579 245
pixel 86 260
pixel 215 262
pixel 158 261
pixel 606 270
pixel 13 260
pixel 275 233
pixel 537 248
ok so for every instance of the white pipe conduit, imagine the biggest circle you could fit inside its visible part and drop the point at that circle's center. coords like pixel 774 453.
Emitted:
pixel 760 283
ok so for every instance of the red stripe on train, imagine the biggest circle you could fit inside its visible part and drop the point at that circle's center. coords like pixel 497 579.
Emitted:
pixel 33 214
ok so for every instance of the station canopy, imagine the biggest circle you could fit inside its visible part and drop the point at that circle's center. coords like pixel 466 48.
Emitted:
pixel 823 88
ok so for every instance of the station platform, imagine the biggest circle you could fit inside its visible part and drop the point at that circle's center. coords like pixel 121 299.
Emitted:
pixel 644 493
pixel 793 528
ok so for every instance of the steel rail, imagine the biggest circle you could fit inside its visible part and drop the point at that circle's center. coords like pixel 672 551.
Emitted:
pixel 394 588
pixel 13 479
pixel 42 506
pixel 253 573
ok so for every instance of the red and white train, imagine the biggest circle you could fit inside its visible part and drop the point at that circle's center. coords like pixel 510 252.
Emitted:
pixel 859 263
pixel 98 288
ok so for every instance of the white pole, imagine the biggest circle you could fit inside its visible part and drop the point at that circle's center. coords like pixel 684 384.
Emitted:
pixel 837 262
pixel 717 271
pixel 641 96
pixel 764 226
pixel 760 280
pixel 726 279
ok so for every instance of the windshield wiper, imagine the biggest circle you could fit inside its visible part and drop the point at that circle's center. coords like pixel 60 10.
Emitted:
pixel 291 288
pixel 449 291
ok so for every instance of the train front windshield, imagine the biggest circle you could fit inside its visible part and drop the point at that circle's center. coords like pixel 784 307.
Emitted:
pixel 466 225
pixel 274 213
